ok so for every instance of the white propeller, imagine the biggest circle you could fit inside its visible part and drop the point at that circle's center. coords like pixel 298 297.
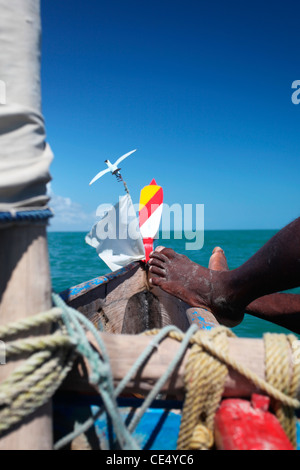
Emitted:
pixel 112 167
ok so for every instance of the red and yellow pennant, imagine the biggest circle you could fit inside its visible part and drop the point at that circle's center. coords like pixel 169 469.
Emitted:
pixel 150 211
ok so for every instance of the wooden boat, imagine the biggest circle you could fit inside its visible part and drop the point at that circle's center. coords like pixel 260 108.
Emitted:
pixel 123 304
pixel 120 304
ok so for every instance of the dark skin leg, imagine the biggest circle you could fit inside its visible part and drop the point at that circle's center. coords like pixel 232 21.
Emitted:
pixel 275 267
pixel 282 309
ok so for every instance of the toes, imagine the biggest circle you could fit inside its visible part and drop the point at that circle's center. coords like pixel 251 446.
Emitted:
pixel 159 248
pixel 163 254
pixel 217 248
pixel 156 281
pixel 218 261
pixel 157 262
pixel 158 271
pixel 168 252
pixel 157 258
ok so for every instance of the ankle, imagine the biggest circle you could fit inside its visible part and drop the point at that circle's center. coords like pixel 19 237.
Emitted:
pixel 227 301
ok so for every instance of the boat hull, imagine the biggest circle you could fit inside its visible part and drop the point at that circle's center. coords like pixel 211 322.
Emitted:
pixel 123 303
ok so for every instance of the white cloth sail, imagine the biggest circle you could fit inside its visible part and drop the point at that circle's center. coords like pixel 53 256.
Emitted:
pixel 116 236
pixel 24 155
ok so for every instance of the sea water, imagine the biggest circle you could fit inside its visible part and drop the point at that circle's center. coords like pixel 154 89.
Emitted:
pixel 72 261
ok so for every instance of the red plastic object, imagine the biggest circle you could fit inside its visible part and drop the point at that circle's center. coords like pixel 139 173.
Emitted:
pixel 241 425
pixel 148 245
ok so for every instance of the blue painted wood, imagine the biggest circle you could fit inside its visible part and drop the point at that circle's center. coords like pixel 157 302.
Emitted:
pixel 68 294
pixel 157 430
pixel 201 322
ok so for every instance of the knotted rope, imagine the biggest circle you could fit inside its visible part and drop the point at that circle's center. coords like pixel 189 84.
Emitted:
pixel 205 374
pixel 52 356
pixel 278 348
pixel 204 382
pixel 32 383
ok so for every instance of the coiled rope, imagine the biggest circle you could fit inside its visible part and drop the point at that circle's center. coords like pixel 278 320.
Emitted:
pixel 52 356
pixel 278 349
pixel 205 374
pixel 32 383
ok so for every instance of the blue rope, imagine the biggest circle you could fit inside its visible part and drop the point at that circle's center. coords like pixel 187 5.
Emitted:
pixel 170 369
pixel 34 215
pixel 101 375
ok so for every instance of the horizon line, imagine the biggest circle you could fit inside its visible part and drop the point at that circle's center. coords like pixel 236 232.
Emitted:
pixel 175 230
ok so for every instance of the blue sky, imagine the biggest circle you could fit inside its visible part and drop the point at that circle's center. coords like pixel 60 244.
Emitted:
pixel 202 89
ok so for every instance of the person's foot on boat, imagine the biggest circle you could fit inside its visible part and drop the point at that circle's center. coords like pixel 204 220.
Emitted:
pixel 218 261
pixel 256 286
pixel 197 286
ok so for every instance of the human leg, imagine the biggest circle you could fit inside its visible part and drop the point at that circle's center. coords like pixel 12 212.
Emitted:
pixel 275 267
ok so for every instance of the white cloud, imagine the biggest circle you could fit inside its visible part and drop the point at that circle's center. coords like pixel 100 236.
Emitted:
pixel 68 215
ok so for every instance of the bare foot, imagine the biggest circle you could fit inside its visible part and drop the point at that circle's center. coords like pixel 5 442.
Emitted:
pixel 194 284
pixel 218 261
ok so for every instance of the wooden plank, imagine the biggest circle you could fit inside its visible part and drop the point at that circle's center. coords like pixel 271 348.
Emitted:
pixel 122 302
pixel 25 290
pixel 172 310
pixel 104 300
pixel 201 317
pixel 123 351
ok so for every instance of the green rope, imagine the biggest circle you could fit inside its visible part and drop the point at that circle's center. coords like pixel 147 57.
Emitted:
pixel 153 345
pixel 34 382
pixel 31 345
pixel 101 375
pixel 30 323
pixel 170 369
pixel 51 357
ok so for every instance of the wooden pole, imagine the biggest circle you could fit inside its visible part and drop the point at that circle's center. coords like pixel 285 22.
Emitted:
pixel 25 158
pixel 123 350
pixel 25 290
